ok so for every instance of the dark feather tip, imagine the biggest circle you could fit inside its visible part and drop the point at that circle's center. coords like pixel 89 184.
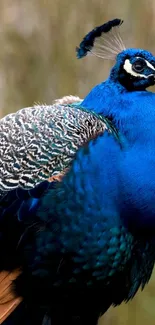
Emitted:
pixel 88 41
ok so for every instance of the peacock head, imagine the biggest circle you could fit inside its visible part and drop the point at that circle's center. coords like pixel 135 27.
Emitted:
pixel 134 68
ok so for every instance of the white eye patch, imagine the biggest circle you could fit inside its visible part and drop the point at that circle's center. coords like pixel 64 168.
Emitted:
pixel 128 68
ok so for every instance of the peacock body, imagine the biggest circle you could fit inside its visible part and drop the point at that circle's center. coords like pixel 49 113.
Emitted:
pixel 86 240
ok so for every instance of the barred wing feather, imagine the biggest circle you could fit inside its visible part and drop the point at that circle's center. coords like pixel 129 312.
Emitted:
pixel 38 143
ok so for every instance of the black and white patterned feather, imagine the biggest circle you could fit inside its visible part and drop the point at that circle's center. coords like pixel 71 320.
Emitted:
pixel 39 142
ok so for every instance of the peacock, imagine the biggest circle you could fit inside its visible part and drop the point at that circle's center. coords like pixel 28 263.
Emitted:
pixel 77 186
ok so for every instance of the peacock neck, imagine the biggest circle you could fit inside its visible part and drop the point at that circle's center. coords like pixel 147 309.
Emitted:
pixel 132 112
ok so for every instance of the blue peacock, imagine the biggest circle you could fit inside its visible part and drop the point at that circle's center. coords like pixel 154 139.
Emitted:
pixel 77 187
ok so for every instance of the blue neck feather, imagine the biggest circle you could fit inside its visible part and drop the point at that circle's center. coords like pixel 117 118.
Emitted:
pixel 133 113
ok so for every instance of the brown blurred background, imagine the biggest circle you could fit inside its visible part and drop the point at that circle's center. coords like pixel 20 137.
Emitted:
pixel 38 64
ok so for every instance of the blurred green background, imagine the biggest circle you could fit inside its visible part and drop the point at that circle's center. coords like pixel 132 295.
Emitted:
pixel 38 64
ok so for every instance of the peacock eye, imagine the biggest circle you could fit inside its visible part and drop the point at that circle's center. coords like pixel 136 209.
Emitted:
pixel 139 65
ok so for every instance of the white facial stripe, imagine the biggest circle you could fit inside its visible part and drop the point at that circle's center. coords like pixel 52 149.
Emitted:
pixel 128 68
pixel 150 65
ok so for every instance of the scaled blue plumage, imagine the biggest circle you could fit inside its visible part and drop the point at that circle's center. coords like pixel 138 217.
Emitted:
pixel 88 242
